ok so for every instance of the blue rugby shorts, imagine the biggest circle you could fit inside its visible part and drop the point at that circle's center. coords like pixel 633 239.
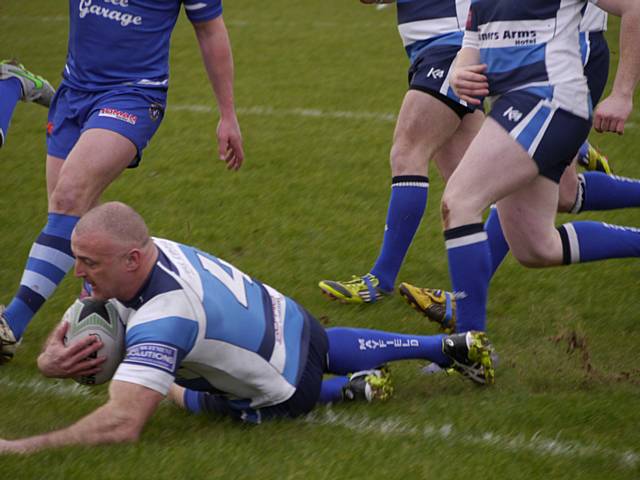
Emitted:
pixel 134 113
pixel 550 135
pixel 430 73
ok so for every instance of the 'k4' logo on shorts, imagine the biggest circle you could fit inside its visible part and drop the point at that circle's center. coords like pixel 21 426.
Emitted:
pixel 118 115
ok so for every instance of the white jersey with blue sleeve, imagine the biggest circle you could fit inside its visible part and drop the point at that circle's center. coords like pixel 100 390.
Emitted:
pixel 430 22
pixel 532 45
pixel 204 323
pixel 125 42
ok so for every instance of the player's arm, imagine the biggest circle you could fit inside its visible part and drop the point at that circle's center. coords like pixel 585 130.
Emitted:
pixel 120 420
pixel 64 361
pixel 612 113
pixel 215 47
pixel 467 77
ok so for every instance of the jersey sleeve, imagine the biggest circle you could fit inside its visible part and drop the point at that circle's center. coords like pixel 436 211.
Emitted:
pixel 203 10
pixel 158 337
pixel 471 34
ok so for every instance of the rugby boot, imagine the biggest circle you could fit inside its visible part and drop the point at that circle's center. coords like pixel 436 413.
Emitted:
pixel 438 306
pixel 364 289
pixel 8 341
pixel 472 355
pixel 592 159
pixel 34 88
pixel 368 385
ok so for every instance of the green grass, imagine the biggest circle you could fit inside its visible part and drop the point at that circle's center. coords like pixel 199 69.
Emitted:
pixel 310 203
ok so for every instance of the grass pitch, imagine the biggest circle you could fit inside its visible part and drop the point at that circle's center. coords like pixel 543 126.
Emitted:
pixel 318 85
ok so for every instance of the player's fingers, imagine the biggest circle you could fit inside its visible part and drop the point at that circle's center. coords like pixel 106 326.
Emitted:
pixel 91 341
pixel 620 127
pixel 481 67
pixel 470 100
pixel 86 352
pixel 60 331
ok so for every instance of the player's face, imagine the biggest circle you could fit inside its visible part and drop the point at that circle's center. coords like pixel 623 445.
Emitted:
pixel 102 264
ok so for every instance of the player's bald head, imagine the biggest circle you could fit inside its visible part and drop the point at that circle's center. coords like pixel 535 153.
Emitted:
pixel 117 221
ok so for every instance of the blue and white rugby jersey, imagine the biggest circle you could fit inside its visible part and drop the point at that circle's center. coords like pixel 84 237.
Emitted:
pixel 594 19
pixel 532 45
pixel 202 321
pixel 430 22
pixel 125 42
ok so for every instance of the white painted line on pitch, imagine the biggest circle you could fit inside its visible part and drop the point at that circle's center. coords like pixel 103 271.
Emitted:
pixel 535 444
pixel 58 388
pixel 291 112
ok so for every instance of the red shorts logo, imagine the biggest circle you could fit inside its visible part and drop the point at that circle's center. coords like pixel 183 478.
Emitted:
pixel 49 128
pixel 118 115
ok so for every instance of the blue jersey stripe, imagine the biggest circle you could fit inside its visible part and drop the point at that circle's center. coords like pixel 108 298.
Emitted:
pixel 268 339
pixel 502 11
pixel 176 331
pixel 416 10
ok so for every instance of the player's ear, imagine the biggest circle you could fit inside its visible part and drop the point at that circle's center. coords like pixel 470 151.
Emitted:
pixel 133 259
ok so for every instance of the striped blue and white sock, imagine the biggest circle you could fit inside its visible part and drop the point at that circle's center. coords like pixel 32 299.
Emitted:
pixel 406 207
pixel 49 261
pixel 470 272
pixel 599 191
pixel 591 241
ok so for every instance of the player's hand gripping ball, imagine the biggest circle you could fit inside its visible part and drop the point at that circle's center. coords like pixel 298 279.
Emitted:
pixel 100 318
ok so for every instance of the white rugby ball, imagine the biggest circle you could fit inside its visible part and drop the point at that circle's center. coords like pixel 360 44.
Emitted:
pixel 100 318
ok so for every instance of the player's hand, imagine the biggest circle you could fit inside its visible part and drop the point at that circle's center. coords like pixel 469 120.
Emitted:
pixel 469 83
pixel 612 113
pixel 230 142
pixel 60 361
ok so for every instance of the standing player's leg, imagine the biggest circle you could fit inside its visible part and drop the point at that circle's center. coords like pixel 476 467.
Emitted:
pixel 18 83
pixel 116 130
pixel 416 141
pixel 95 161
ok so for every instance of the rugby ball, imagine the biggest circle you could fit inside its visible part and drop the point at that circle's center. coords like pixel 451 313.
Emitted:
pixel 100 318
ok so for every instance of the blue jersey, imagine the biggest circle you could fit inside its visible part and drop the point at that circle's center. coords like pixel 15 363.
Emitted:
pixel 423 23
pixel 204 323
pixel 125 42
pixel 532 45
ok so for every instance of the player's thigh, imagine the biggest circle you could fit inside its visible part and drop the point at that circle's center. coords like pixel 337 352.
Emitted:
pixel 493 166
pixel 528 217
pixel 418 135
pixel 53 167
pixel 451 152
pixel 97 158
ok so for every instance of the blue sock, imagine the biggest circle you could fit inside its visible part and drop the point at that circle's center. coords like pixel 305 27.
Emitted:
pixel 498 245
pixel 406 207
pixel 470 271
pixel 331 391
pixel 49 261
pixel 590 241
pixel 10 93
pixel 599 191
pixel 355 349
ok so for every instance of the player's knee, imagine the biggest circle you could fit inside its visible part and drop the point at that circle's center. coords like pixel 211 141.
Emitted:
pixel 533 255
pixel 406 160
pixel 70 198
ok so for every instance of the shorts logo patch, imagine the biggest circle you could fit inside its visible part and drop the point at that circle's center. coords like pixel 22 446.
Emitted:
pixel 49 128
pixel 512 114
pixel 154 111
pixel 118 115
pixel 155 355
pixel 435 73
